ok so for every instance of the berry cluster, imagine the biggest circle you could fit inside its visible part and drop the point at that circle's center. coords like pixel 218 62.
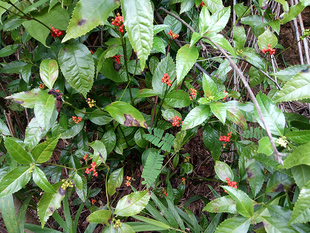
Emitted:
pixel 202 4
pixel 128 183
pixel 270 50
pixel 91 51
pixel 118 22
pixel 66 184
pixel 226 138
pixel 42 86
pixel 165 79
pixel 85 157
pixel 93 169
pixel 174 36
pixel 193 94
pixel 117 59
pixel 176 121
pixel 56 33
pixel 231 184
pixel 93 201
pixel 91 103
pixel 183 180
pixel 225 95
pixel 76 119
pixel 165 192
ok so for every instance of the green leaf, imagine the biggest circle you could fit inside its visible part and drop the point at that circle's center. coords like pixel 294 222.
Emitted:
pixel 211 140
pixel 152 168
pixel 132 204
pixel 219 21
pixel 236 116
pixel 99 117
pixel 301 174
pixel 223 171
pixel 126 114
pixel 267 38
pixel 175 25
pixel 57 17
pixel 166 65
pixel 253 58
pixel 243 202
pixel 239 35
pixel 26 99
pixel 204 20
pixel 264 146
pixel 279 182
pixel 196 117
pixel 4 130
pixel 8 50
pixel 100 216
pixel 186 58
pixel 219 110
pixel 115 180
pixel 152 222
pixel 237 224
pixel 14 180
pixel 255 21
pixel 178 99
pixel 159 27
pixel 159 45
pixel 42 152
pixel 16 151
pixel 34 133
pixel 109 140
pixel 214 5
pixel 50 202
pixel 222 204
pixel 276 225
pixel 273 116
pixel 8 214
pixel 77 66
pixel 195 38
pixel 73 130
pixel 43 108
pixel 40 179
pixel 23 68
pixel 221 41
pixel 49 72
pixel 293 13
pixel 139 139
pixel 138 20
pixel 300 137
pixel 256 176
pixel 287 73
pixel 146 93
pixel 78 181
pixel 301 155
pixel 100 152
pixel 88 15
pixel 186 5
pixel 208 85
pixel 295 89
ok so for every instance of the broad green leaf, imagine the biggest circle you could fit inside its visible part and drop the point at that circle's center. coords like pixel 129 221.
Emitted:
pixel 40 179
pixel 73 130
pixel 221 41
pixel 138 20
pixel 293 13
pixel 50 202
pixel 146 93
pixel 264 146
pixel 195 38
pixel 297 88
pixel 132 204
pixel 253 58
pixel 43 108
pixel 273 116
pixel 167 66
pixel 159 45
pixel 256 176
pixel 275 225
pixel 88 15
pixel 4 130
pixel 211 140
pixel 34 133
pixel 223 171
pixel 186 5
pixel 275 25
pixel 237 224
pixel 23 68
pixel 109 140
pixel 239 35
pixel 139 139
pixel 267 38
pixel 169 114
pixel 222 204
pixel 152 221
pixel 186 58
pixel 8 50
pixel 26 99
pixel 279 182
pixel 175 25
pixel 115 180
pixel 219 110
pixel 256 77
pixel 214 5
pixel 204 20
pixel 236 116
pixel 219 21
pixel 15 180
pixel 78 181
pixel 100 216
pixel 289 72
pixel 77 66
pixel 126 114
pixel 244 204
pixel 254 21
pixel 99 117
pixel 8 214
pixel 178 99
pixel 42 152
pixel 302 136
pixel 196 117
pixel 153 63
pixel 100 152
pixel 301 155
pixel 49 72
pixel 301 174
pixel 159 27
pixel 57 17
pixel 16 151
pixel 208 85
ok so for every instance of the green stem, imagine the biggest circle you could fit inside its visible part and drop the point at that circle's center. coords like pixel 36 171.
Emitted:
pixel 106 188
pixel 126 65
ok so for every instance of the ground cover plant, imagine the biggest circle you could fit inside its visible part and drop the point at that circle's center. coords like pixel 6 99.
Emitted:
pixel 104 101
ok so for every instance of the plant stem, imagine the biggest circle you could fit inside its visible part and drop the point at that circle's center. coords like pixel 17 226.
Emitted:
pixel 126 65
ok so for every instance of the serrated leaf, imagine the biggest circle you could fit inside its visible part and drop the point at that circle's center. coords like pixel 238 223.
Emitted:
pixel 244 204
pixel 99 117
pixel 159 27
pixel 109 140
pixel 26 99
pixel 72 131
pixel 267 38
pixel 126 114
pixel 273 116
pixel 218 21
pixel 289 72
pixel 77 66
pixel 222 204
pixel 8 50
pixel 50 202
pixel 100 216
pixel 14 180
pixel 195 38
pixel 301 155
pixel 301 174
pixel 256 176
pixel 186 5
pixel 42 152
pixel 214 5
pixel 138 20
pixel 236 116
pixel 208 85
pixel 49 72
pixel 132 204
pixel 146 93
pixel 211 140
pixel 34 133
pixel 239 35
pixel 78 181
pixel 221 41
pixel 274 225
pixel 186 58
pixel 115 180
pixel 196 116
pixel 40 179
pixel 301 136
pixel 4 130
pixel 204 20
pixel 178 99
pixel 219 110
pixel 100 152
pixel 297 88
pixel 264 146
pixel 43 108
pixel 159 45
pixel 175 25
pixel 279 182
pixel 16 151
pixel 237 224
pixel 88 15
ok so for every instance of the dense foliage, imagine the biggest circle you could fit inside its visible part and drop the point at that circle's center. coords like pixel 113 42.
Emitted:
pixel 158 72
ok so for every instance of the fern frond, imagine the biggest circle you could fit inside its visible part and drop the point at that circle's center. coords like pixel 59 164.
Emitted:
pixel 164 143
pixel 152 168
pixel 257 133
